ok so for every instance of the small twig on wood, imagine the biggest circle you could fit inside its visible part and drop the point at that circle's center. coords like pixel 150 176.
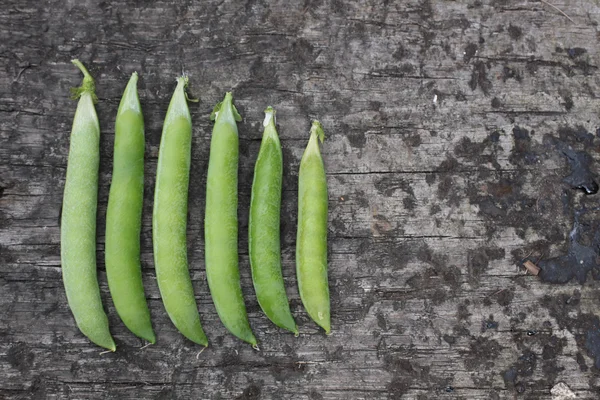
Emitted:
pixel 558 9
pixel 105 352
pixel 146 345
pixel 539 258
pixel 200 352
pixel 528 254
pixel 531 267
pixel 23 69
pixel 497 292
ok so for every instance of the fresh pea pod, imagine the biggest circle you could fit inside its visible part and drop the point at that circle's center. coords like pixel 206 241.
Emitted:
pixel 78 220
pixel 263 232
pixel 311 242
pixel 124 216
pixel 221 224
pixel 169 219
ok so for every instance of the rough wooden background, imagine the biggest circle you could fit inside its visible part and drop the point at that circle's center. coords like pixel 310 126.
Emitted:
pixel 457 135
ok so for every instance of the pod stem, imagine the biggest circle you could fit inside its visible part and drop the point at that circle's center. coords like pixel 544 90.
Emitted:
pixel 224 106
pixel 87 85
pixel 269 117
pixel 317 130
pixel 184 80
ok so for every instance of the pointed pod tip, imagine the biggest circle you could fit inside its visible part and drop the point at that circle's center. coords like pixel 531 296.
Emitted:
pixel 227 109
pixel 151 339
pixel 182 84
pixel 227 100
pixel 182 81
pixel 317 130
pixel 269 116
pixel 133 80
pixel 201 339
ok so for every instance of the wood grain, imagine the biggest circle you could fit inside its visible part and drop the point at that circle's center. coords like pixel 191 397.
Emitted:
pixel 443 123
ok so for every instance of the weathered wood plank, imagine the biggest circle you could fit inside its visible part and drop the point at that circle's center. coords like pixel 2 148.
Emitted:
pixel 447 124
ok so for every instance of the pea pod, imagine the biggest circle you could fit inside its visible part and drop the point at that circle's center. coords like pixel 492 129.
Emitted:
pixel 311 241
pixel 124 216
pixel 169 218
pixel 221 224
pixel 263 232
pixel 78 220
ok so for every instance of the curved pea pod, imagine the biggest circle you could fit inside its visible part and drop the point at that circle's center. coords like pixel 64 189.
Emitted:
pixel 169 218
pixel 263 229
pixel 311 240
pixel 221 224
pixel 124 216
pixel 78 220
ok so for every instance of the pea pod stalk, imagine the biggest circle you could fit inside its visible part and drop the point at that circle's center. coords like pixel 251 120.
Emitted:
pixel 311 240
pixel 78 220
pixel 221 224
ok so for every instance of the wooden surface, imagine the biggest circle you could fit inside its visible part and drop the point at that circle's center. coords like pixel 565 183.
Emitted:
pixel 451 127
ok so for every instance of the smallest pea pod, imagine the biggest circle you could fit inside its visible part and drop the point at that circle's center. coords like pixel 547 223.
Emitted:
pixel 311 240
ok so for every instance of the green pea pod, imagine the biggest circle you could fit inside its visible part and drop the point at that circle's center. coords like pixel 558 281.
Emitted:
pixel 78 220
pixel 124 216
pixel 263 231
pixel 169 219
pixel 221 224
pixel 311 241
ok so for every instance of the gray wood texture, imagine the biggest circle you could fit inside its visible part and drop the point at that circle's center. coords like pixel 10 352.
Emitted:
pixel 457 135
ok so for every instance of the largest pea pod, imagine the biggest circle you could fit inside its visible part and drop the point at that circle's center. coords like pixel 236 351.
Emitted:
pixel 124 216
pixel 78 220
pixel 169 218
pixel 221 223
pixel 311 240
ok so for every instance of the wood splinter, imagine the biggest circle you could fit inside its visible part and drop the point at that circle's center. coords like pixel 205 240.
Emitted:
pixel 531 267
